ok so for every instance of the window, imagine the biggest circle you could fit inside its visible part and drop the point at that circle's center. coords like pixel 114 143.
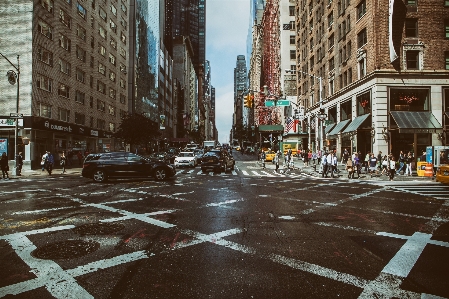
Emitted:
pixel 122 113
pixel 446 59
pixel 411 28
pixel 93 4
pixel 81 10
pixel 361 38
pixel 123 22
pixel 91 61
pixel 361 9
pixel 113 26
pixel 63 90
pixel 64 66
pixel 92 42
pixel 292 54
pixel 331 64
pixel 80 118
pixel 364 103
pixel 80 54
pixel 112 93
pixel 112 76
pixel 350 76
pixel 362 68
pixel 311 44
pixel 113 43
pixel 91 102
pixel 44 110
pixel 102 14
pixel 124 9
pixel 48 5
pixel 65 19
pixel 63 114
pixel 123 68
pixel 44 83
pixel 101 50
pixel 45 56
pixel 79 97
pixel 112 127
pixel 113 10
pixel 101 68
pixel 446 29
pixel 331 41
pixel 123 52
pixel 123 37
pixel 122 83
pixel 65 42
pixel 101 105
pixel 410 2
pixel 80 75
pixel 100 124
pixel 92 21
pixel 91 81
pixel 111 110
pixel 81 32
pixel 102 32
pixel 45 29
pixel 122 99
pixel 292 39
pixel 111 58
pixel 330 19
pixel 412 60
pixel 101 87
pixel 348 50
pixel 291 11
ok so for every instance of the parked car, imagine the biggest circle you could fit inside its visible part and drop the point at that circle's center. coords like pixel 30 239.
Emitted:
pixel 217 161
pixel 103 166
pixel 442 174
pixel 186 159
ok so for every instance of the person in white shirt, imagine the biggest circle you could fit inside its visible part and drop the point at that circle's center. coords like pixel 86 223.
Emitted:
pixel 334 164
pixel 324 165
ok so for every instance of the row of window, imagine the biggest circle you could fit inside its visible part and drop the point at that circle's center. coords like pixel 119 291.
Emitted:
pixel 48 5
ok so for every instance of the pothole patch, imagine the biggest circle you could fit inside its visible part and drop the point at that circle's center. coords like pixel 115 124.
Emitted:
pixel 65 250
pixel 98 228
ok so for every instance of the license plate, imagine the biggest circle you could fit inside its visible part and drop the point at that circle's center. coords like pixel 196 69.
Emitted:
pixel 211 161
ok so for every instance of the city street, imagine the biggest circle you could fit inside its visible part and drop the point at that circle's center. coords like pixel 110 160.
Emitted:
pixel 248 233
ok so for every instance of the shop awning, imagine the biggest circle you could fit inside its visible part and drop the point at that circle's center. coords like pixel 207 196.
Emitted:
pixel 337 129
pixel 356 123
pixel 416 122
pixel 329 128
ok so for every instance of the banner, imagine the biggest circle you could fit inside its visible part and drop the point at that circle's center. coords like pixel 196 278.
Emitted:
pixel 393 55
pixel 162 122
pixel 4 146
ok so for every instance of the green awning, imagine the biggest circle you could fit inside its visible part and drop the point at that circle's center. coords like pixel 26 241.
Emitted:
pixel 356 123
pixel 271 128
pixel 329 127
pixel 416 122
pixel 337 129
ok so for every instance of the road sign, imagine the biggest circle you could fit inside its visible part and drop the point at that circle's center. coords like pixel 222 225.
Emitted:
pixel 16 115
pixel 278 103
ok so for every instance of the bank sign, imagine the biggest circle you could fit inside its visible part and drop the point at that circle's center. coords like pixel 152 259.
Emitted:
pixel 10 122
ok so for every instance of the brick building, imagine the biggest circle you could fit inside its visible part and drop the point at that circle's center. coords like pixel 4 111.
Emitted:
pixel 73 74
pixel 384 67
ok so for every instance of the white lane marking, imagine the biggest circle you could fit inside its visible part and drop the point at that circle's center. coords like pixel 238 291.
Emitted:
pixel 55 279
pixel 245 172
pixel 404 260
pixel 39 231
pixel 183 193
pixel 190 171
pixel 223 203
pixel 42 211
pixel 234 172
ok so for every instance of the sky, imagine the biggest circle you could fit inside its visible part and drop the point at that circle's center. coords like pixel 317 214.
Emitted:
pixel 227 23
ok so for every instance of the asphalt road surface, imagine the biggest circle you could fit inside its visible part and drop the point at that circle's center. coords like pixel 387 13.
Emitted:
pixel 243 234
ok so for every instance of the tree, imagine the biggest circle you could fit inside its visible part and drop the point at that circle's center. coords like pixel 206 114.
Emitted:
pixel 137 130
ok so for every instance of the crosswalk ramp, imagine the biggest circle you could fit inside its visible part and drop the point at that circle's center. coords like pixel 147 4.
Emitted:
pixel 429 189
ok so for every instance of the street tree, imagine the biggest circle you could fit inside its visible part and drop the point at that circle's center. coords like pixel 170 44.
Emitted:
pixel 137 130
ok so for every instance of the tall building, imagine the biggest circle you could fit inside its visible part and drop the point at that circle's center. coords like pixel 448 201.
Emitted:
pixel 74 59
pixel 240 88
pixel 384 71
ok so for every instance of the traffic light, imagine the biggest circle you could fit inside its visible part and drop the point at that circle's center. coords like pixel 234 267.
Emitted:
pixel 246 101
pixel 251 101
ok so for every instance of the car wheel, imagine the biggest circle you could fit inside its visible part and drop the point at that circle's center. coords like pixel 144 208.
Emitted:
pixel 160 174
pixel 100 176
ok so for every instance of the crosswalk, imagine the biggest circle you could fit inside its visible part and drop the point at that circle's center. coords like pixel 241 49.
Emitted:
pixel 429 189
pixel 236 172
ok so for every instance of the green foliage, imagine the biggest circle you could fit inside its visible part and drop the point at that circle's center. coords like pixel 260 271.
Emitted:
pixel 137 129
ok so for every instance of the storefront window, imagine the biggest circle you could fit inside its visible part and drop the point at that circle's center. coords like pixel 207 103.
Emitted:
pixel 332 115
pixel 364 103
pixel 346 110
pixel 408 99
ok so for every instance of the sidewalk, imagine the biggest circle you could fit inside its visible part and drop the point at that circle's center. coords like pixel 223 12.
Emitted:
pixel 310 170
pixel 27 173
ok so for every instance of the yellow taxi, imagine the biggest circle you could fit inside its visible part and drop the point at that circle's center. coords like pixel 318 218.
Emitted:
pixel 442 175
pixel 269 155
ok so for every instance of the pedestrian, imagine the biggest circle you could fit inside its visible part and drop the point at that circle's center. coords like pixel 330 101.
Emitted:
pixel 276 160
pixel 379 160
pixel 63 161
pixel 80 158
pixel 366 162
pixel 50 161
pixel 350 168
pixel 372 164
pixel 307 156
pixel 324 166
pixel 19 162
pixel 329 159
pixel 385 165
pixel 408 164
pixel 43 160
pixel 357 164
pixel 334 164
pixel 4 166
pixel 392 167
pixel 401 160
pixel 345 157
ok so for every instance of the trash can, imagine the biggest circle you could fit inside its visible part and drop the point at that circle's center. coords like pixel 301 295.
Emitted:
pixel 428 170
pixel 421 168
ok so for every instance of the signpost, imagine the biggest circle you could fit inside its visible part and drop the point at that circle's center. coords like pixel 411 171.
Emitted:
pixel 16 115
pixel 277 103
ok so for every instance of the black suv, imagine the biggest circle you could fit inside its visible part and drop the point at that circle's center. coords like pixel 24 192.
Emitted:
pixel 102 166
pixel 217 160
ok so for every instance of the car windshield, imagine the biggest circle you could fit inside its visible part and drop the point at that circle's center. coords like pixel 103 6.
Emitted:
pixel 212 154
pixel 186 154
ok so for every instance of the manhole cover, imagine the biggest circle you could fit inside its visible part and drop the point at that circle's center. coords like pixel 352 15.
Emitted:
pixel 65 249
pixel 98 228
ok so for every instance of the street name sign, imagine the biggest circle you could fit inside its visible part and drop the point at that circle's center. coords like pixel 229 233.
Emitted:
pixel 278 103
pixel 16 115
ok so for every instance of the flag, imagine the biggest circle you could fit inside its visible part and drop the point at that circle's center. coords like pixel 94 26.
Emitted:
pixel 289 123
pixel 295 124
pixel 393 54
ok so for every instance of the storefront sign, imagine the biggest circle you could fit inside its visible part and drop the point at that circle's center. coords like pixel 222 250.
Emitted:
pixel 56 127
pixel 59 126
pixel 10 122
pixel 94 133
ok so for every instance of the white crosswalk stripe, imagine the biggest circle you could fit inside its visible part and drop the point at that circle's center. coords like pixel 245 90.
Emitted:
pixel 429 189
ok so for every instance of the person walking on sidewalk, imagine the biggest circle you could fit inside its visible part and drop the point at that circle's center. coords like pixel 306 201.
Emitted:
pixel 19 160
pixel 401 160
pixel 4 166
pixel 334 162
pixel 43 160
pixel 49 162
pixel 324 165
pixel 357 165
pixel 392 167
pixel 63 161
pixel 276 160
pixel 408 164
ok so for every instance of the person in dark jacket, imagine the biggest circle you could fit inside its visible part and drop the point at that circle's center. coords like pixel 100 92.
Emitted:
pixel 50 162
pixel 4 166
pixel 19 161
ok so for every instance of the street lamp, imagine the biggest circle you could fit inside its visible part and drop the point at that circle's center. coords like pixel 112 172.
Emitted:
pixel 321 115
pixel 12 78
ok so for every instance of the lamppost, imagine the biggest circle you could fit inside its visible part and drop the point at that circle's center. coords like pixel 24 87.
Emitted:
pixel 12 78
pixel 321 115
